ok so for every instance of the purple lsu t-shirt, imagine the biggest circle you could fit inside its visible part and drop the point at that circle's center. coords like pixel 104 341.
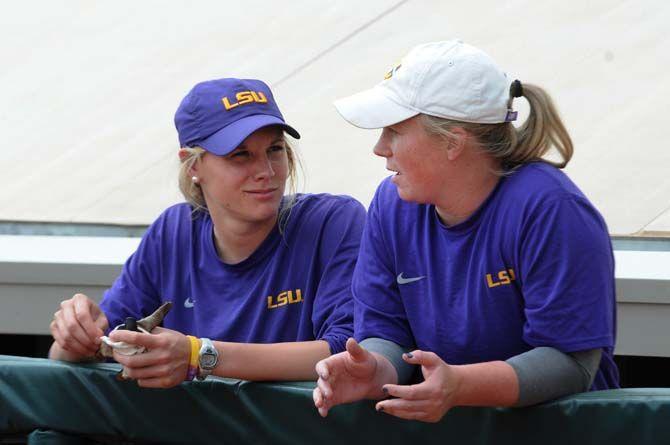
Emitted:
pixel 533 266
pixel 296 286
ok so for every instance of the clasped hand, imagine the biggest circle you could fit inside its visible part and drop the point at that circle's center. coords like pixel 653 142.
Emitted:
pixel 429 400
pixel 165 363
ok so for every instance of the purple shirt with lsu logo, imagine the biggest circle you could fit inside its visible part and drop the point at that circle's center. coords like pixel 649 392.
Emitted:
pixel 296 286
pixel 533 266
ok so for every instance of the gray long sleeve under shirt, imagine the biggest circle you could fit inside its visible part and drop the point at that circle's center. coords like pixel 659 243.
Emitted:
pixel 544 373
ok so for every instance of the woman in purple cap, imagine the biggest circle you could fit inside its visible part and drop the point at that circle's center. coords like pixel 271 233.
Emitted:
pixel 259 281
pixel 481 261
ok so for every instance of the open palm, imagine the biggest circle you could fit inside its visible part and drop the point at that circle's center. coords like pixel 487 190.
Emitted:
pixel 345 377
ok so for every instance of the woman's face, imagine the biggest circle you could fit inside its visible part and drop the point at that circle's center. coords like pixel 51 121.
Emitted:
pixel 419 159
pixel 248 183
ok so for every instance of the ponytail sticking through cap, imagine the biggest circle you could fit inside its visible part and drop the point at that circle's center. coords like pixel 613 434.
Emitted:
pixel 515 90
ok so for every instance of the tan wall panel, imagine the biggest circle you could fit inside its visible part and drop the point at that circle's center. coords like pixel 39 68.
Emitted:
pixel 89 92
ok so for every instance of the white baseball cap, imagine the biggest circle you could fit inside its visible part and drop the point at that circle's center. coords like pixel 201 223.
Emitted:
pixel 448 79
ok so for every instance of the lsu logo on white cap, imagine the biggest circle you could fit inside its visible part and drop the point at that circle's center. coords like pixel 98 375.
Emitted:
pixel 392 71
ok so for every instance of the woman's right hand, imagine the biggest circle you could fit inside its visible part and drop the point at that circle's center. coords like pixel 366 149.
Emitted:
pixel 76 328
pixel 351 375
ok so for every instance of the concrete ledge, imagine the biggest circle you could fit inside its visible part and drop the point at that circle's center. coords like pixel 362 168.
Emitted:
pixel 38 272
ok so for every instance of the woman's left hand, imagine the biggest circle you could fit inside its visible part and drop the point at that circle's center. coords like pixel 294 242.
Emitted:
pixel 166 361
pixel 429 400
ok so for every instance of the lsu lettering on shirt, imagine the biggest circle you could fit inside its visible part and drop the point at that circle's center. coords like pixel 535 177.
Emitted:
pixel 295 287
pixel 533 266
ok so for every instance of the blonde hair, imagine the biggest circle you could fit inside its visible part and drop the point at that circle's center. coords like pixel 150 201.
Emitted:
pixel 193 192
pixel 188 187
pixel 542 130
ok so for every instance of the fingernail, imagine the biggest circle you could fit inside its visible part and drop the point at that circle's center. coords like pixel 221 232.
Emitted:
pixel 409 355
pixel 381 408
pixel 385 390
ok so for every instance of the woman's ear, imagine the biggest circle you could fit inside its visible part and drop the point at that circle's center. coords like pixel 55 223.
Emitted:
pixel 183 154
pixel 457 143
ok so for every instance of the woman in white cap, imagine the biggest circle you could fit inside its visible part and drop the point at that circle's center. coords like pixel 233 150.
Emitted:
pixel 480 261
pixel 259 281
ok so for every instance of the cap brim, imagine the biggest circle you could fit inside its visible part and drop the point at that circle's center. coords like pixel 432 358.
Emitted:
pixel 230 137
pixel 372 109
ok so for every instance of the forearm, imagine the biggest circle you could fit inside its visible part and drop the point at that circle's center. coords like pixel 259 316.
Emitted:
pixel 393 352
pixel 536 376
pixel 273 361
pixel 545 373
pixel 486 384
pixel 384 374
pixel 56 352
pixel 391 368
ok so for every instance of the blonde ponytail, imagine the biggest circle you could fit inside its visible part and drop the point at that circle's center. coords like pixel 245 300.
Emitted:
pixel 542 130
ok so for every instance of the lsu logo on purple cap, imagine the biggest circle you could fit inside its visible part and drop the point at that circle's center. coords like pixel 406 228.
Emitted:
pixel 244 97
pixel 248 105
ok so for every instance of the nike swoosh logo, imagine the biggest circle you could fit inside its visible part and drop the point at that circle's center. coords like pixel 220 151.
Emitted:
pixel 188 303
pixel 403 280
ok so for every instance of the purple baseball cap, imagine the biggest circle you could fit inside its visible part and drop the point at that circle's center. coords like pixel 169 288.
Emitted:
pixel 218 115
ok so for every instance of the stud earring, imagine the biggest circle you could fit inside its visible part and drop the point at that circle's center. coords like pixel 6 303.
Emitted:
pixel 195 179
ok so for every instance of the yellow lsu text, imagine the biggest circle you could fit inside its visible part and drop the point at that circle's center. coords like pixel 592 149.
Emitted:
pixel 504 277
pixel 284 298
pixel 244 97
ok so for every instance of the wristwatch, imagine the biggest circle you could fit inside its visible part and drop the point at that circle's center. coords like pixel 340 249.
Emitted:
pixel 207 359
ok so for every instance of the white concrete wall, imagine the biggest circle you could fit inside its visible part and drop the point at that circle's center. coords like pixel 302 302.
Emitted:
pixel 37 273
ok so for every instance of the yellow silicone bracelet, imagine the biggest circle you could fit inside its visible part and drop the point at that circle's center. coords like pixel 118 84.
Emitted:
pixel 193 361
pixel 195 350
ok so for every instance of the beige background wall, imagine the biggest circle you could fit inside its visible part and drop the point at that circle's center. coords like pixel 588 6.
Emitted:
pixel 88 91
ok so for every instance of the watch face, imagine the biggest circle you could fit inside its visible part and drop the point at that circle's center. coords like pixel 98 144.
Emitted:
pixel 208 360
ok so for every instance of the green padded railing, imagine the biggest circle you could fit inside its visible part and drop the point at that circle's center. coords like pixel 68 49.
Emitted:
pixel 88 400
